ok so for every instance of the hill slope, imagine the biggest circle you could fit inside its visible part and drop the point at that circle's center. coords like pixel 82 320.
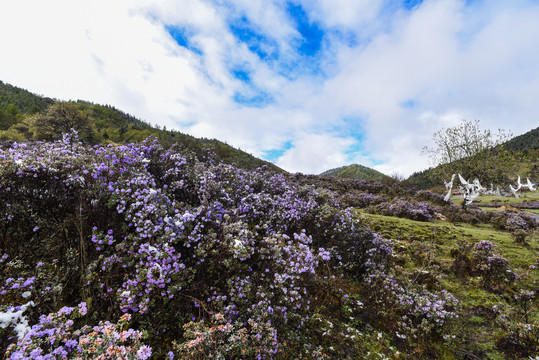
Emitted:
pixel 26 102
pixel 525 154
pixel 525 142
pixel 110 125
pixel 355 171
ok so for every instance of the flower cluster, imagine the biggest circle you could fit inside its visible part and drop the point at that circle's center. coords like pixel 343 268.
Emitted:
pixel 492 267
pixel 55 337
pixel 218 338
pixel 406 209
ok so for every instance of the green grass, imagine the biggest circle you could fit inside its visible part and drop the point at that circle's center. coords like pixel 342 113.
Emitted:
pixel 428 246
pixel 526 196
pixel 443 236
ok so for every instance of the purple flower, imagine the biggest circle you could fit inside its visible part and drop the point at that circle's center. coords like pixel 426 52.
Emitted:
pixel 144 352
pixel 71 343
pixel 82 308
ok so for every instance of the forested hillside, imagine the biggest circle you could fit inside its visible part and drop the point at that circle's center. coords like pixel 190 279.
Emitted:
pixel 25 101
pixel 24 116
pixel 520 152
pixel 527 143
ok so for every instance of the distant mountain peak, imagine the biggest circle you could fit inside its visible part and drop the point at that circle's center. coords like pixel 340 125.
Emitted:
pixel 355 171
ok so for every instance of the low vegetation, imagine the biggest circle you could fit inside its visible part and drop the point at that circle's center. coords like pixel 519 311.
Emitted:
pixel 141 251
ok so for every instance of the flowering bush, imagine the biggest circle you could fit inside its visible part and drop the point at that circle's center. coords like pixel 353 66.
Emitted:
pixel 221 339
pixel 432 197
pixel 492 267
pixel 420 314
pixel 55 337
pixel 522 205
pixel 406 209
pixel 521 227
pixel 362 200
pixel 202 258
pixel 521 336
pixel 513 221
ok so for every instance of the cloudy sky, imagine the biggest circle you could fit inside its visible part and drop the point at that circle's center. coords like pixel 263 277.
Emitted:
pixel 307 84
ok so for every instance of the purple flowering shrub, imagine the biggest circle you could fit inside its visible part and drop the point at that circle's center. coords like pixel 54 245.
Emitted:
pixel 420 316
pixel 361 199
pixel 522 205
pixel 492 267
pixel 520 225
pixel 432 197
pixel 521 326
pixel 471 215
pixel 512 221
pixel 421 211
pixel 354 249
pixel 204 258
pixel 55 337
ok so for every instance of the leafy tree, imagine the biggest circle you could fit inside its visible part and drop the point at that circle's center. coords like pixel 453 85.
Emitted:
pixel 16 132
pixel 470 151
pixel 60 118
pixel 5 120
pixel 9 116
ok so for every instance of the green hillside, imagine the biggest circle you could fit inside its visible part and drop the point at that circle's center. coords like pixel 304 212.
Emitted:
pixel 527 143
pixel 355 171
pixel 23 113
pixel 25 101
pixel 524 153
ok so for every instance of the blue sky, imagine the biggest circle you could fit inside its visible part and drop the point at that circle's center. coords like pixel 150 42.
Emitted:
pixel 307 84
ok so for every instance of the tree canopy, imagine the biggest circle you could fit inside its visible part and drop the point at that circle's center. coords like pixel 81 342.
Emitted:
pixel 60 118
pixel 470 151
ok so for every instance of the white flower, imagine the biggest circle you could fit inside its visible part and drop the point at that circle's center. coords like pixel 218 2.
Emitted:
pixel 238 243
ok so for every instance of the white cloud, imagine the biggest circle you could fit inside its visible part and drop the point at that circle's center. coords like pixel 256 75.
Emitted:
pixel 349 15
pixel 316 153
pixel 383 82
